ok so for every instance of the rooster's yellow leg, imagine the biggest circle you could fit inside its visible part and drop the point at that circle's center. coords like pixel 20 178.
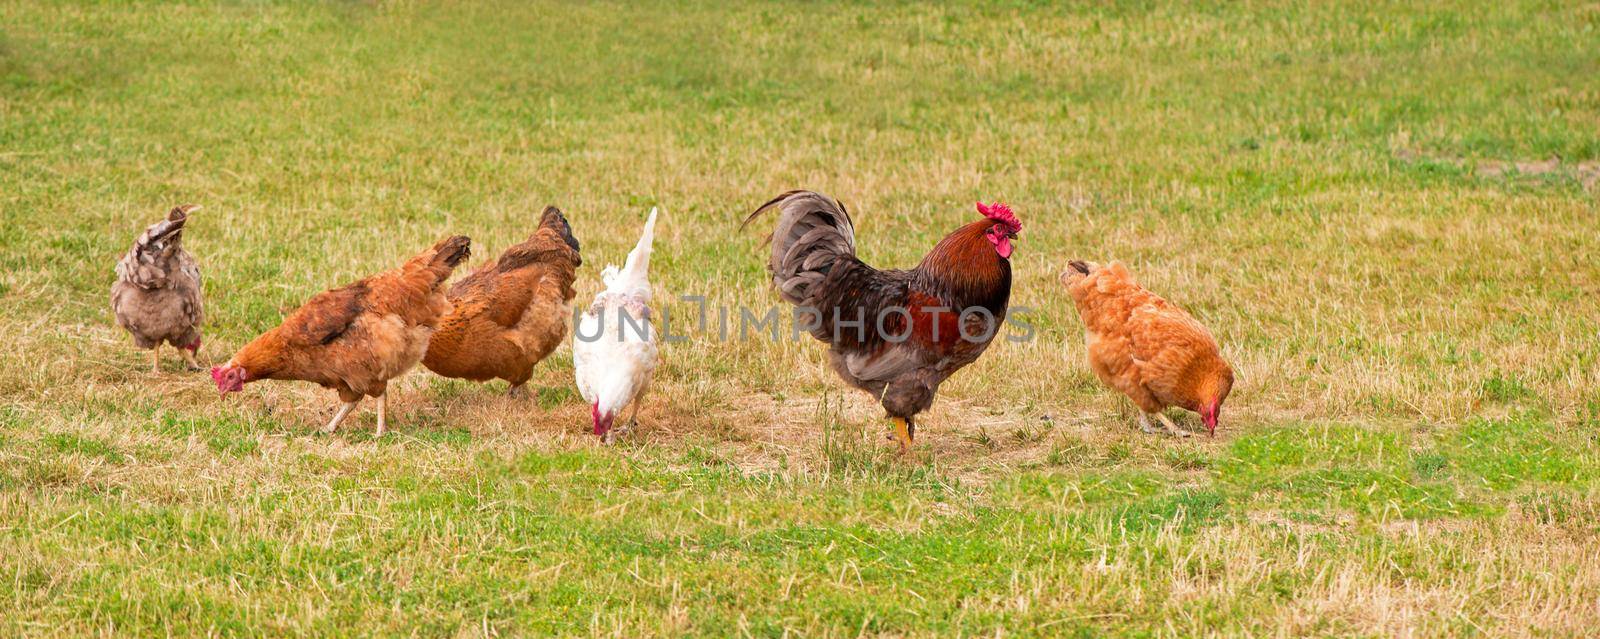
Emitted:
pixel 902 433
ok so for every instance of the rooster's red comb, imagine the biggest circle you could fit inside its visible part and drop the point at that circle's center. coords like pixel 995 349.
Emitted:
pixel 1001 213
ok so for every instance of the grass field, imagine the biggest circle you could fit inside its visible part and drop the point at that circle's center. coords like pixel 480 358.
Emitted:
pixel 1356 198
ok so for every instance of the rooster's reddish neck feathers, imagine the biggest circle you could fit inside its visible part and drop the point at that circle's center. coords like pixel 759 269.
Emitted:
pixel 966 265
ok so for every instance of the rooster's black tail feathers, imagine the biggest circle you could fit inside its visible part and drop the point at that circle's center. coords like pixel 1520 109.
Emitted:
pixel 813 231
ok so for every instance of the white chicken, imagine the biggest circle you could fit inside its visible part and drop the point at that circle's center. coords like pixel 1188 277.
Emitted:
pixel 614 348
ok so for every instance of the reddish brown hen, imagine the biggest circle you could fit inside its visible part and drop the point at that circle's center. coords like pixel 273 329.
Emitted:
pixel 356 338
pixel 511 313
pixel 1148 348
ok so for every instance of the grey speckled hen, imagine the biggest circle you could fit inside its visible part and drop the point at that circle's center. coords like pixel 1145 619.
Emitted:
pixel 157 293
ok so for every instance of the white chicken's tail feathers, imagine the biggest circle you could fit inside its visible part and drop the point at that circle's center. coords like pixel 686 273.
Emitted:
pixel 638 265
pixel 635 273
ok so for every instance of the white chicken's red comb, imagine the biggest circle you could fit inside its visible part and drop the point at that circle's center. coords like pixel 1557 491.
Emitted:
pixel 1001 213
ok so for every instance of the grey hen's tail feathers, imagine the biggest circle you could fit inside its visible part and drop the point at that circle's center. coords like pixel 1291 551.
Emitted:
pixel 158 236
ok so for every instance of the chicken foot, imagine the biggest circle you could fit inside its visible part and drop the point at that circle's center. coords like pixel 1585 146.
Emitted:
pixel 344 410
pixel 627 425
pixel 155 358
pixel 1171 428
pixel 189 360
pixel 904 433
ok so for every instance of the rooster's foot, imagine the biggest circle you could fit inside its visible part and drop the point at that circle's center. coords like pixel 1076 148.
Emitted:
pixel 904 433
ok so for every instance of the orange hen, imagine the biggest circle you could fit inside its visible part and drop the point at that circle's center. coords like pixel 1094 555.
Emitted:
pixel 512 312
pixel 356 338
pixel 1148 348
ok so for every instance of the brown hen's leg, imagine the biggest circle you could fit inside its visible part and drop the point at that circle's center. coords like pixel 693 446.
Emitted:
pixel 1171 427
pixel 189 360
pixel 1146 426
pixel 902 433
pixel 383 401
pixel 155 358
pixel 517 391
pixel 333 424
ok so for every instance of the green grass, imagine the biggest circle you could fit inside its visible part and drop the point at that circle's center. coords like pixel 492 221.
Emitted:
pixel 1411 449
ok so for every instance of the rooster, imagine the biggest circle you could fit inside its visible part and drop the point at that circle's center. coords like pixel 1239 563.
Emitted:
pixel 897 334
pixel 156 297
pixel 511 313
pixel 1147 348
pixel 614 348
pixel 356 338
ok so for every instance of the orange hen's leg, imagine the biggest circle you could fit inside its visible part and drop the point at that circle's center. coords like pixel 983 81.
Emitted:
pixel 155 358
pixel 1171 427
pixel 1146 426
